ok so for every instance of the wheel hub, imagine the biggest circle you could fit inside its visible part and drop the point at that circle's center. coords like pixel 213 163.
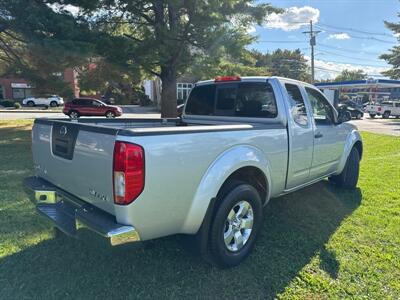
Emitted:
pixel 238 226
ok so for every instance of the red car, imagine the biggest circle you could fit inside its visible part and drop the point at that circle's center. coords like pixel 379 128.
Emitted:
pixel 90 107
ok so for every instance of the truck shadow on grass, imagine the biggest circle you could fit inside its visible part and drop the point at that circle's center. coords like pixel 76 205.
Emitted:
pixel 296 229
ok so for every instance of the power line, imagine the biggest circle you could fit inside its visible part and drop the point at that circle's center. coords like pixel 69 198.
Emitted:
pixel 285 42
pixel 347 50
pixel 354 64
pixel 358 37
pixel 352 57
pixel 355 30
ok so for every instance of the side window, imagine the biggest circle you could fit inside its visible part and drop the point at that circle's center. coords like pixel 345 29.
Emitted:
pixel 256 100
pixel 322 110
pixel 96 103
pixel 297 107
pixel 201 101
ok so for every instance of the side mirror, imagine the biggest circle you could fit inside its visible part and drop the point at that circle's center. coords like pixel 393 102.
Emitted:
pixel 343 116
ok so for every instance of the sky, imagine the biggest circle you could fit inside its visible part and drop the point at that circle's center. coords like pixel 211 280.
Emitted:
pixel 352 34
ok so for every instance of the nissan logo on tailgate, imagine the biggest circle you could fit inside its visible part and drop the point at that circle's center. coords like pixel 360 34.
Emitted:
pixel 63 130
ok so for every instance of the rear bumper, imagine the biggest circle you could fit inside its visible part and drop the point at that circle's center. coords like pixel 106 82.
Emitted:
pixel 70 214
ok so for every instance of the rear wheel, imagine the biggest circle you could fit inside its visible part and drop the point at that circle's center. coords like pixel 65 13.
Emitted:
pixel 110 114
pixel 53 103
pixel 235 226
pixel 349 176
pixel 73 114
pixel 372 116
pixel 358 116
pixel 31 103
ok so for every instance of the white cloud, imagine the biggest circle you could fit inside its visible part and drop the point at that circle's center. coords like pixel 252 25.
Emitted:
pixel 292 18
pixel 339 36
pixel 329 70
pixel 251 29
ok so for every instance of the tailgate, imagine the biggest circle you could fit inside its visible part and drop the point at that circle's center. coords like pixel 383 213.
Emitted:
pixel 77 158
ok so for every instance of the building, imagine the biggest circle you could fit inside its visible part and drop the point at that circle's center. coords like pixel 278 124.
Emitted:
pixel 374 90
pixel 18 88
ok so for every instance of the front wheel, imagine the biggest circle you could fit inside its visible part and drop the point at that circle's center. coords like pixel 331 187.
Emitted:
pixel 53 103
pixel 235 226
pixel 359 116
pixel 372 115
pixel 386 115
pixel 31 103
pixel 110 114
pixel 349 176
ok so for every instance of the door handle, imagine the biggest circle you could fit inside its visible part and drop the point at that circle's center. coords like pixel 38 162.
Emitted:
pixel 318 135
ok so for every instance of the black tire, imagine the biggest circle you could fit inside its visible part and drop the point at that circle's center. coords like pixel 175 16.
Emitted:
pixel 110 114
pixel 218 252
pixel 73 114
pixel 31 103
pixel 53 104
pixel 359 116
pixel 386 115
pixel 349 177
pixel 372 116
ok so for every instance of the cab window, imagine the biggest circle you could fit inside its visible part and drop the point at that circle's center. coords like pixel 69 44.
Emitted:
pixel 321 109
pixel 297 105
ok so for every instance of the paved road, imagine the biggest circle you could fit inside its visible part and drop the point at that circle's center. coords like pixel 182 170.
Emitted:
pixel 130 111
pixel 378 125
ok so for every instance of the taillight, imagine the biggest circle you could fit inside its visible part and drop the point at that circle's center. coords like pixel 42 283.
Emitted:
pixel 128 172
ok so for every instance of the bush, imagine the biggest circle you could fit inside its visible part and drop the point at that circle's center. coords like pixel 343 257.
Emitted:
pixel 7 103
pixel 17 105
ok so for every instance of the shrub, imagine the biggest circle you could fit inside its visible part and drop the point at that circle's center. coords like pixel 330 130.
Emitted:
pixel 7 103
pixel 17 105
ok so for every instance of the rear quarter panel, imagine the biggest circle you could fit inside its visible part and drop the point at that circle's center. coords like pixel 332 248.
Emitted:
pixel 176 165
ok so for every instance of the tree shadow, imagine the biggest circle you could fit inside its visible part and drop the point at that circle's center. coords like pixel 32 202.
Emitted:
pixel 296 228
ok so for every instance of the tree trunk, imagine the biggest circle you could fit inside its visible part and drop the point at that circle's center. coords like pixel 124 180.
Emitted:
pixel 168 93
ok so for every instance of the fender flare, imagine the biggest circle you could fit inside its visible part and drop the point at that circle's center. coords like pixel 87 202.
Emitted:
pixel 352 138
pixel 223 166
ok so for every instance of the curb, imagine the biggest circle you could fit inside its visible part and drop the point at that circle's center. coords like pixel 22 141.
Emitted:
pixel 28 111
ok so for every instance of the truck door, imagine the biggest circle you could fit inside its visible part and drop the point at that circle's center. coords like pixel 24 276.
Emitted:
pixel 301 137
pixel 329 138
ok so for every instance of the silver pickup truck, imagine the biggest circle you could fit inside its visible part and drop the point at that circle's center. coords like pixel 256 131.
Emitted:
pixel 239 143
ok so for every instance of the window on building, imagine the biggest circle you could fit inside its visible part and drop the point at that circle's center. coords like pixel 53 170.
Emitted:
pixel 21 93
pixel 182 90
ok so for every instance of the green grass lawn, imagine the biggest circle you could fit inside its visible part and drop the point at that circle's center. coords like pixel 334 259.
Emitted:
pixel 318 243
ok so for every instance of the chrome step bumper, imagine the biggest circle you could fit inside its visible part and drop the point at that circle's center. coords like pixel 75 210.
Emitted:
pixel 69 214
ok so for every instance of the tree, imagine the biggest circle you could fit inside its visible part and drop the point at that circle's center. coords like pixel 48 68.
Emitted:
pixel 39 44
pixel 285 63
pixel 346 75
pixel 393 57
pixel 165 37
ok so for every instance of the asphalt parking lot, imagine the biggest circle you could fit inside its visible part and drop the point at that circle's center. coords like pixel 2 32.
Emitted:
pixel 378 125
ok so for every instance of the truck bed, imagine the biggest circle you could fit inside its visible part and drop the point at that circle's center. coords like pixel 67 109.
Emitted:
pixel 77 157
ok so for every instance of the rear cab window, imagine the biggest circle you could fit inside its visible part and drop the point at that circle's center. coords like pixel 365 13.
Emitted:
pixel 240 99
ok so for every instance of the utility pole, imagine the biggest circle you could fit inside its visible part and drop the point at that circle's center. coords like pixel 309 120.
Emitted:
pixel 313 34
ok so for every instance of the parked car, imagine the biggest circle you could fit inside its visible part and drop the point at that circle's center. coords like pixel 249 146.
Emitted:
pixel 355 110
pixel 52 101
pixel 390 108
pixel 374 109
pixel 239 143
pixel 90 107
